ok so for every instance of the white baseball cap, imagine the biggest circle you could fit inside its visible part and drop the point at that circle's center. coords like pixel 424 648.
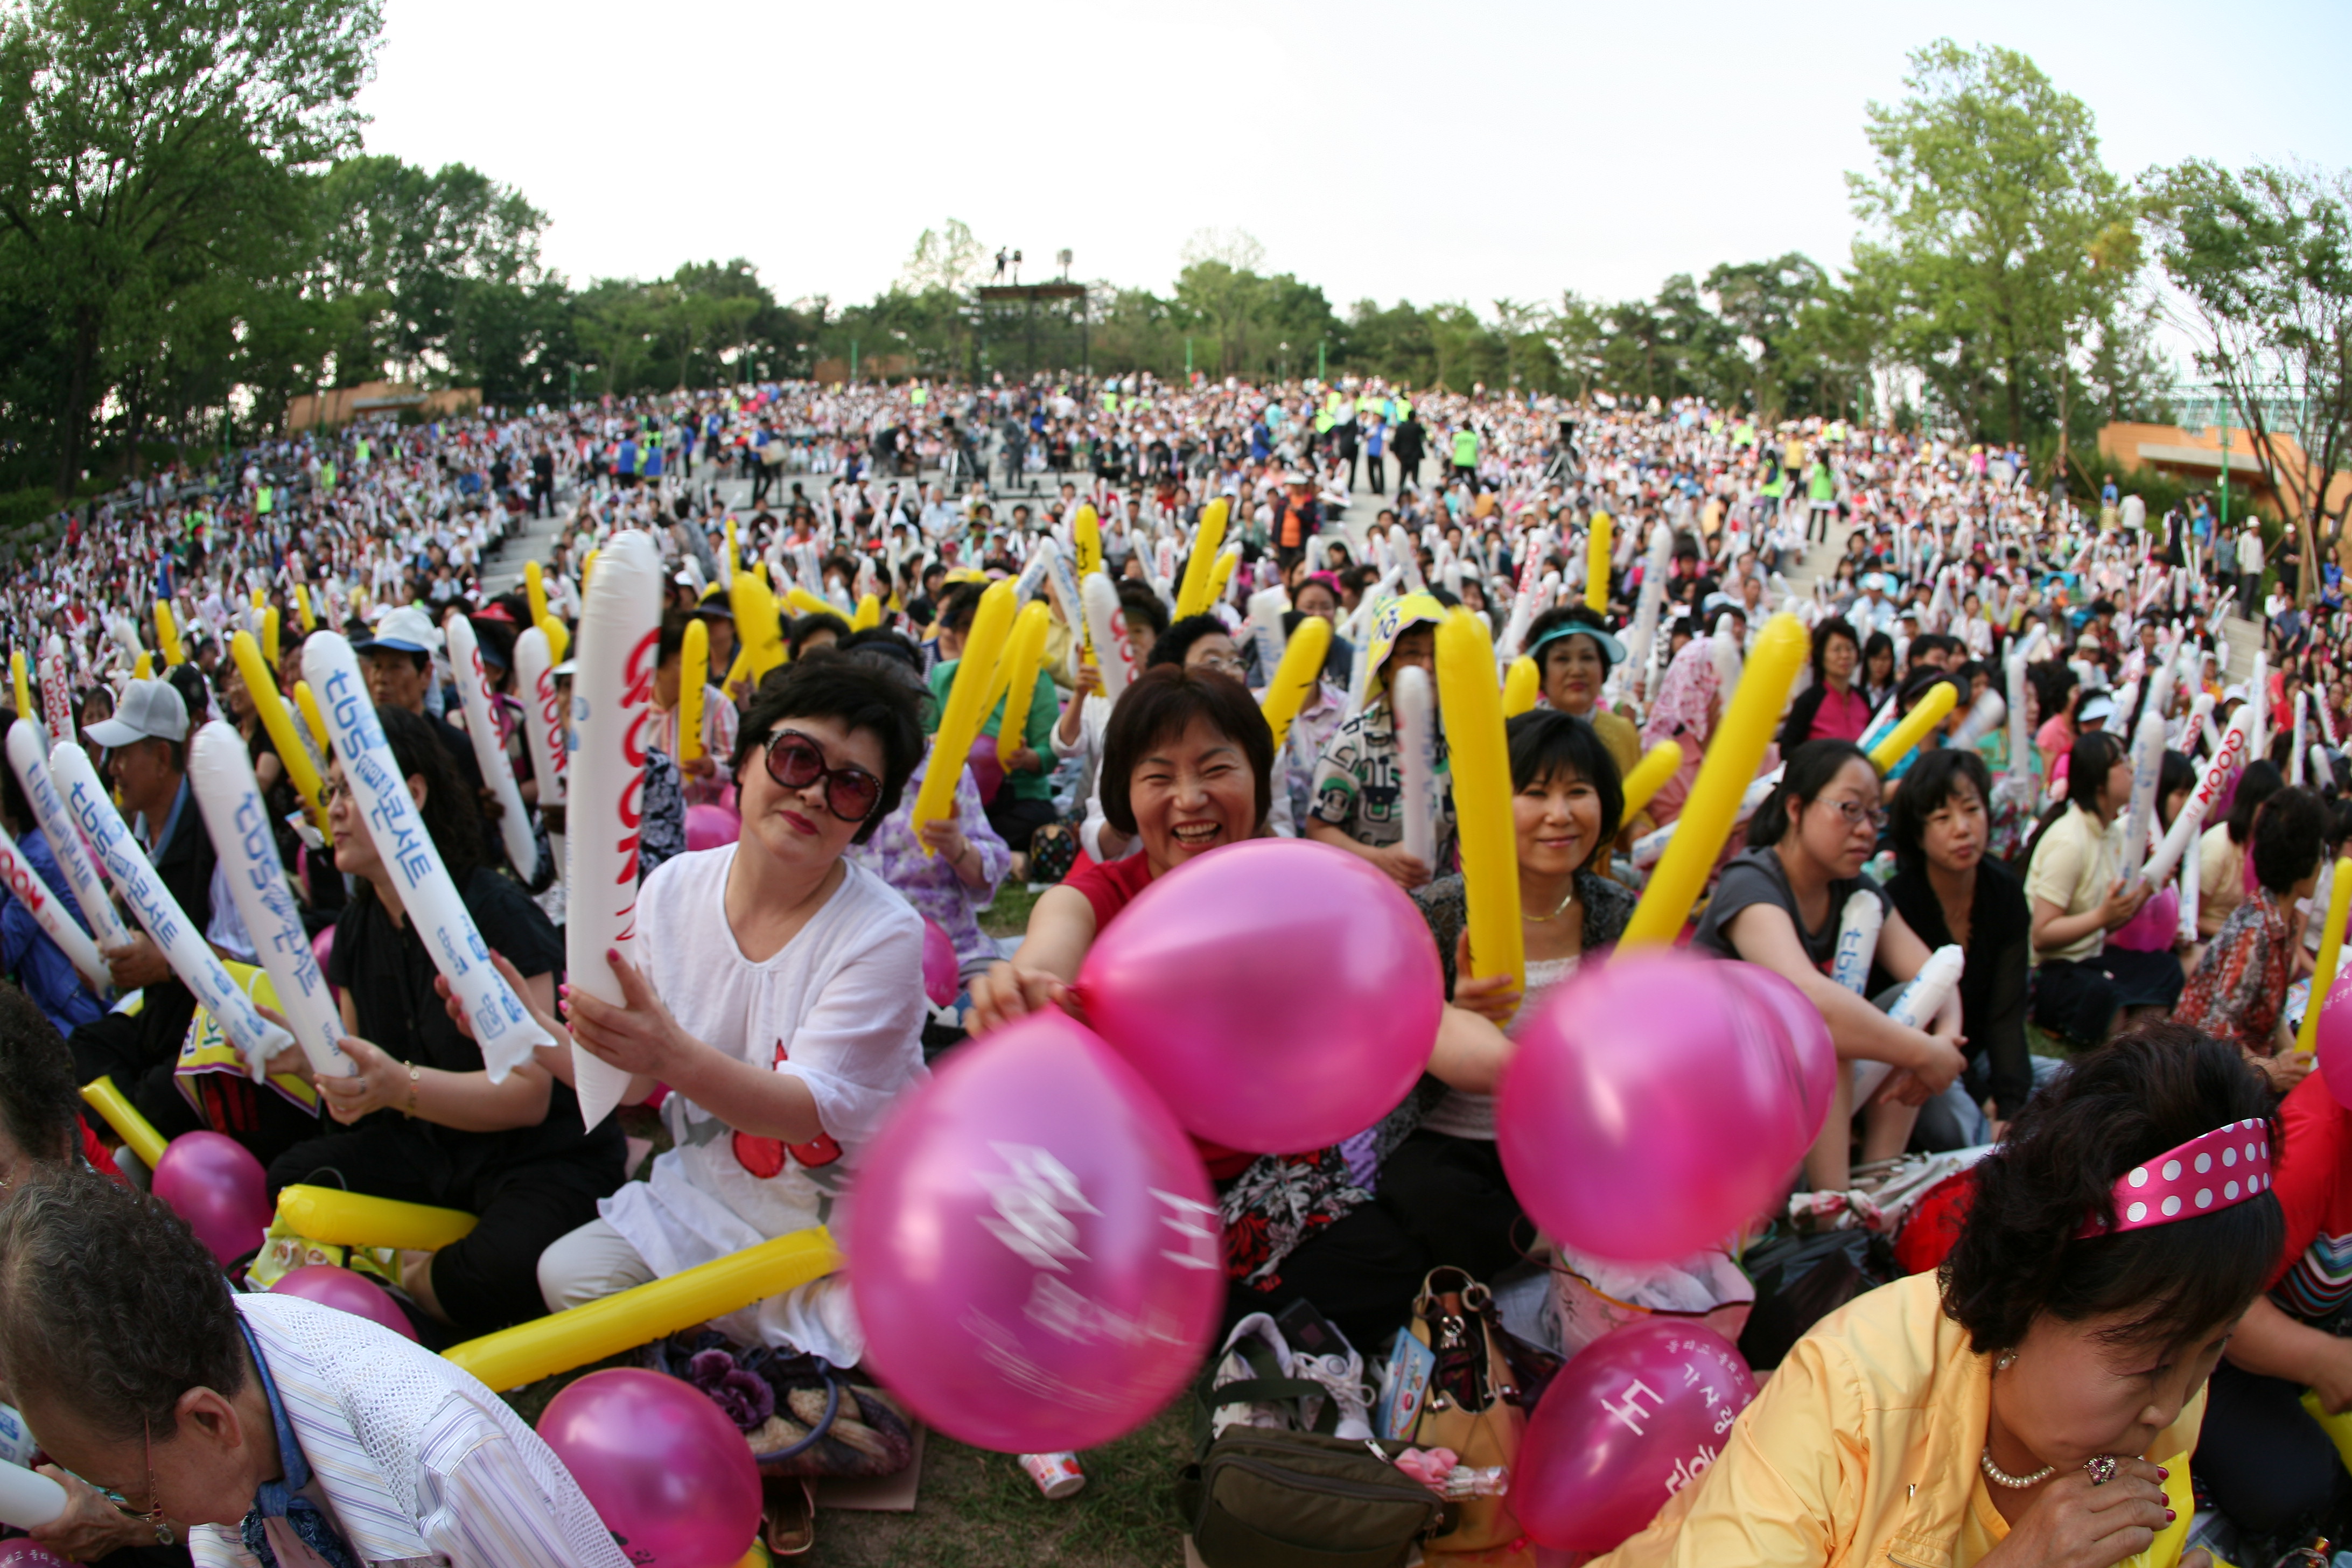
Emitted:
pixel 149 711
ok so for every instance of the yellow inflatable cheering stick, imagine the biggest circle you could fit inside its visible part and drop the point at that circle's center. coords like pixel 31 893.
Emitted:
pixel 167 635
pixel 1200 566
pixel 302 608
pixel 1931 711
pixel 1522 684
pixel 1295 678
pixel 25 709
pixel 1478 756
pixel 1086 538
pixel 2331 953
pixel 138 1134
pixel 1596 564
pixel 991 624
pixel 272 623
pixel 534 584
pixel 261 687
pixel 1658 764
pixel 349 1219
pixel 1025 651
pixel 1724 776
pixel 694 672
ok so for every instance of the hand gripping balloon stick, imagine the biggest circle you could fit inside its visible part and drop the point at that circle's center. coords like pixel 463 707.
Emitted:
pixel 48 911
pixel 1931 711
pixel 1024 655
pixel 1596 570
pixel 501 1026
pixel 693 675
pixel 1724 776
pixel 1295 678
pixel 1522 684
pixel 1416 743
pixel 1858 928
pixel 991 624
pixel 2331 951
pixel 1199 567
pixel 64 839
pixel 489 747
pixel 613 721
pixel 1113 655
pixel 1659 764
pixel 183 945
pixel 1478 759
pixel 261 687
pixel 222 777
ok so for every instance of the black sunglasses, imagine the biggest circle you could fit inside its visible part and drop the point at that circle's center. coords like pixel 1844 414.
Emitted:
pixel 795 762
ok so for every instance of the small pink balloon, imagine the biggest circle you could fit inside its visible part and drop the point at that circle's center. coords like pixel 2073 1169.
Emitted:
pixel 346 1291
pixel 708 825
pixel 665 1470
pixel 215 1184
pixel 1279 994
pixel 2155 928
pixel 1636 1417
pixel 2332 1043
pixel 1797 1029
pixel 941 979
pixel 1639 1121
pixel 25 1552
pixel 1035 1246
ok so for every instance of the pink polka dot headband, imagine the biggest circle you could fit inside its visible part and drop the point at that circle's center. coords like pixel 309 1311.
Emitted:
pixel 2225 1166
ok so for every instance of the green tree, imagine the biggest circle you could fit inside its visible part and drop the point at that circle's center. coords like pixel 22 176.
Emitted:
pixel 2000 235
pixel 148 145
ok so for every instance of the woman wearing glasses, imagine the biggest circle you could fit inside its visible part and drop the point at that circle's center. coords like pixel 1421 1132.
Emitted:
pixel 776 990
pixel 1780 904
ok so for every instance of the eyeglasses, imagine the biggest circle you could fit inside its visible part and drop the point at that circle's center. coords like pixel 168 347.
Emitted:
pixel 1856 814
pixel 152 1516
pixel 795 762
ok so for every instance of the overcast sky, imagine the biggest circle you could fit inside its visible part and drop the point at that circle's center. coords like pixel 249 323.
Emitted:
pixel 1469 150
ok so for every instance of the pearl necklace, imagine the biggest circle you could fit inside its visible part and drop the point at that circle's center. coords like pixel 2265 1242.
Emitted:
pixel 2001 1477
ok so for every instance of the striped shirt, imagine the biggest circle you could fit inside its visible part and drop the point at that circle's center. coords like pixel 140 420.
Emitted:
pixel 414 1461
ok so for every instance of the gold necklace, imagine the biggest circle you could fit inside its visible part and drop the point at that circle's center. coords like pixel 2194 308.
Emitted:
pixel 1557 909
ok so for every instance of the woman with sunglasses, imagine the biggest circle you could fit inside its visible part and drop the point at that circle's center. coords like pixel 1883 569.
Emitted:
pixel 776 991
pixel 1780 904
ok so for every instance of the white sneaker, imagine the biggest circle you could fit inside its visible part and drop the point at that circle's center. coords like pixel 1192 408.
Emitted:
pixel 1344 1376
pixel 1234 1366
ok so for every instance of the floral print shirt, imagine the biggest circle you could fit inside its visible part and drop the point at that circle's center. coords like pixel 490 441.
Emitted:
pixel 2241 983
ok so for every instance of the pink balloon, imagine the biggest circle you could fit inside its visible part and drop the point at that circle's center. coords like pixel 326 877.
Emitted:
pixel 215 1184
pixel 1782 1020
pixel 707 825
pixel 2154 928
pixel 1034 1245
pixel 1279 994
pixel 1640 1121
pixel 667 1471
pixel 941 979
pixel 23 1552
pixel 346 1291
pixel 1638 1415
pixel 2333 1042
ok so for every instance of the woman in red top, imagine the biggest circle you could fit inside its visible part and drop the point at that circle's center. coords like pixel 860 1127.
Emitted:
pixel 1187 767
pixel 1833 708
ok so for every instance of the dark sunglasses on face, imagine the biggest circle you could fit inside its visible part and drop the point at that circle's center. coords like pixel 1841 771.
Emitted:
pixel 795 762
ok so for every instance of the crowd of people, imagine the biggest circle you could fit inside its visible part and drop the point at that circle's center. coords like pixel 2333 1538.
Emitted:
pixel 1625 561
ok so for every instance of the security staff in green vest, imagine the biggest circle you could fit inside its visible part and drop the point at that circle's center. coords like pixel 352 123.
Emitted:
pixel 1821 490
pixel 1744 433
pixel 263 498
pixel 1466 455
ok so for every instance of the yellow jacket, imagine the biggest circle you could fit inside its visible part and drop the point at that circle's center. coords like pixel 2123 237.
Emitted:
pixel 1863 1450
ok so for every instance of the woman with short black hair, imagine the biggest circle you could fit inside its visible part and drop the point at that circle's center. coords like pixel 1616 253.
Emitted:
pixel 2239 991
pixel 2077 883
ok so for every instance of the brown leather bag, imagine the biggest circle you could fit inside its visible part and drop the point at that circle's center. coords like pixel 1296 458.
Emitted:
pixel 1473 1404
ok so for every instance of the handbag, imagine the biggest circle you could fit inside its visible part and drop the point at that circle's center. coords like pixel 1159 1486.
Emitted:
pixel 825 1422
pixel 1472 1404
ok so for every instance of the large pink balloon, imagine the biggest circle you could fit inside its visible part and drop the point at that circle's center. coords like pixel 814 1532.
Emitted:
pixel 346 1291
pixel 1279 994
pixel 1034 1245
pixel 1640 1119
pixel 2332 1044
pixel 215 1184
pixel 941 979
pixel 708 825
pixel 1635 1418
pixel 1782 1020
pixel 661 1464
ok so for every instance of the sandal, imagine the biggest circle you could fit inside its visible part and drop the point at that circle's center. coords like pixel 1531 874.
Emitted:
pixel 788 1510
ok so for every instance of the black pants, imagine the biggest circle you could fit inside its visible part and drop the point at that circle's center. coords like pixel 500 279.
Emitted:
pixel 1408 473
pixel 2079 1000
pixel 1350 455
pixel 2266 1461
pixel 542 498
pixel 1362 1272
pixel 490 1280
pixel 1449 1195
pixel 1820 519
pixel 1373 471
pixel 1016 820
pixel 760 480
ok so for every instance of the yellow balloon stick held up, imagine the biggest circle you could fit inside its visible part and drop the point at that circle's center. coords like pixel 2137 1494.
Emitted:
pixel 1522 684
pixel 306 704
pixel 808 604
pixel 757 626
pixel 1658 764
pixel 1224 573
pixel 271 624
pixel 302 608
pixel 991 624
pixel 1295 678
pixel 23 682
pixel 339 1218
pixel 869 613
pixel 534 586
pixel 1025 651
pixel 1932 709
pixel 1724 776
pixel 1199 568
pixel 1596 563
pixel 138 1133
pixel 734 558
pixel 1471 710
pixel 1085 537
pixel 694 673
pixel 738 674
pixel 143 667
pixel 167 634
pixel 262 688
pixel 2331 953
pixel 587 564
pixel 559 640
pixel 256 598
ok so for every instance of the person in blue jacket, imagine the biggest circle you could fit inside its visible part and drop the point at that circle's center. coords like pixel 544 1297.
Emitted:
pixel 39 966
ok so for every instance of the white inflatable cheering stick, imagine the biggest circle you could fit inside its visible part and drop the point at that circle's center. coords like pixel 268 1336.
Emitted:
pixel 1858 928
pixel 489 749
pixel 64 839
pixel 1415 712
pixel 222 777
pixel 183 945
pixel 542 725
pixel 48 911
pixel 501 1026
pixel 612 716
